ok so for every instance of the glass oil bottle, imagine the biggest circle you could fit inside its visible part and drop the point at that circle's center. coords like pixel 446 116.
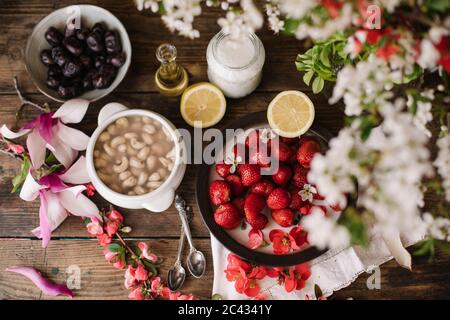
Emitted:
pixel 171 78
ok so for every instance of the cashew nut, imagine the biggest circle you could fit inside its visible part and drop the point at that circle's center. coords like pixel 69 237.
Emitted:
pixel 110 151
pixel 137 144
pixel 104 177
pixel 136 163
pixel 147 120
pixel 171 153
pixel 131 193
pixel 117 141
pixel 139 190
pixel 97 153
pixel 154 184
pixel 122 148
pixel 122 122
pixel 155 176
pixel 130 182
pixel 163 173
pixel 124 175
pixel 104 136
pixel 151 162
pixel 112 129
pixel 121 166
pixel 135 171
pixel 142 155
pixel 157 149
pixel 130 135
pixel 100 163
pixel 148 139
pixel 149 128
pixel 131 151
pixel 164 161
pixel 142 178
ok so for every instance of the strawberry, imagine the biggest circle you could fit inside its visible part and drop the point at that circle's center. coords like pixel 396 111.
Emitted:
pixel 306 209
pixel 263 188
pixel 300 176
pixel 236 186
pixel 283 217
pixel 283 152
pixel 253 205
pixel 227 216
pixel 259 222
pixel 250 174
pixel 308 147
pixel 239 150
pixel 252 140
pixel 219 192
pixel 223 169
pixel 279 199
pixel 239 204
pixel 282 176
pixel 296 200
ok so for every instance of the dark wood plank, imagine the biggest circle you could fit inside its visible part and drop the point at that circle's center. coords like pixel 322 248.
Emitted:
pixel 100 281
pixel 19 217
pixel 146 32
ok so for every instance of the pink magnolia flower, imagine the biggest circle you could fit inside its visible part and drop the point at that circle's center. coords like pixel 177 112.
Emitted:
pixel 49 131
pixel 45 285
pixel 141 273
pixel 58 199
pixel 130 279
pixel 145 254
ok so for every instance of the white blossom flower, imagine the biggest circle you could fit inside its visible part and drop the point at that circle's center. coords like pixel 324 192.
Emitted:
pixel 429 55
pixel 442 163
pixel 423 113
pixel 324 232
pixel 179 16
pixel 308 192
pixel 273 17
pixel 437 227
pixel 296 9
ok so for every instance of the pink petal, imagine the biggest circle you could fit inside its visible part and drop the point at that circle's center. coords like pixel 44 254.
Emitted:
pixel 44 226
pixel 145 254
pixel 56 214
pixel 77 173
pixel 63 153
pixel 72 111
pixel 72 137
pixel 30 188
pixel 46 127
pixel 255 239
pixel 46 286
pixel 78 205
pixel 8 134
pixel 36 148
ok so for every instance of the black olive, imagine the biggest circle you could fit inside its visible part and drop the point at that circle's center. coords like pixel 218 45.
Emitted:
pixel 53 36
pixel 46 57
pixel 60 56
pixel 82 34
pixel 86 61
pixel 104 77
pixel 99 61
pixel 99 27
pixel 54 71
pixel 53 82
pixel 87 80
pixel 73 45
pixel 112 42
pixel 116 59
pixel 67 92
pixel 72 69
pixel 95 42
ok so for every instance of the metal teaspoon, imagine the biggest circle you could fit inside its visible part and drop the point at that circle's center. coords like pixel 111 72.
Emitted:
pixel 196 262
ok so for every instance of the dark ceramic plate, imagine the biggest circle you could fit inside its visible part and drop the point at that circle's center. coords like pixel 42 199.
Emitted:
pixel 254 120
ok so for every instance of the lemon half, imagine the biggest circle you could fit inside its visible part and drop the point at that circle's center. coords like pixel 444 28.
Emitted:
pixel 202 105
pixel 290 113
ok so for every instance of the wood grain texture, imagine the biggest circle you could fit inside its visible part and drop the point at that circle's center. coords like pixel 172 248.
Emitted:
pixel 99 280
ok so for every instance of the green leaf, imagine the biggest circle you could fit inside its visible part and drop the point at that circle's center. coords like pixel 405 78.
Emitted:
pixel 20 178
pixel 216 296
pixel 353 221
pixel 291 25
pixel 307 77
pixel 51 159
pixel 317 291
pixel 318 84
pixel 114 247
pixel 324 57
pixel 438 5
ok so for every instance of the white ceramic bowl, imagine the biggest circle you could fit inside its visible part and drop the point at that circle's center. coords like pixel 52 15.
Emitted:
pixel 156 201
pixel 89 16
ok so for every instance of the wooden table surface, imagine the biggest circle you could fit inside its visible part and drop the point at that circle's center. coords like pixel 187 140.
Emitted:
pixel 70 244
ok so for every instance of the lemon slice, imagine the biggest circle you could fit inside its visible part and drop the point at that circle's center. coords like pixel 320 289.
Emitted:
pixel 290 113
pixel 202 105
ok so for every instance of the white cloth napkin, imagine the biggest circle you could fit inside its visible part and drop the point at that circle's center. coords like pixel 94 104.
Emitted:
pixel 332 271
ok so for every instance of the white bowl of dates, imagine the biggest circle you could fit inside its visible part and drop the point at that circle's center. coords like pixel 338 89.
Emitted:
pixel 78 51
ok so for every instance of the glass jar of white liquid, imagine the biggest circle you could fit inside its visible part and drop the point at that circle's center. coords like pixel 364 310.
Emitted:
pixel 235 65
